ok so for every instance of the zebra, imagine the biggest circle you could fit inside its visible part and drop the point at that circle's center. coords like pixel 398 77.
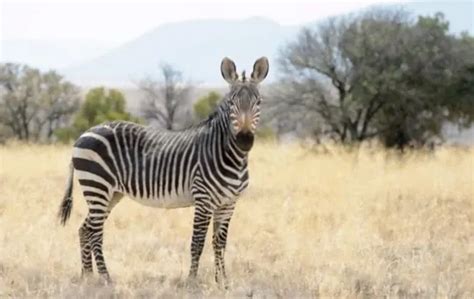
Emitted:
pixel 205 166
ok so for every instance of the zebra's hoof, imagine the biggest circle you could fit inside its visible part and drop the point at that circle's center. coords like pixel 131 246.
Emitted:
pixel 86 273
pixel 223 284
pixel 191 282
pixel 107 280
pixel 86 276
pixel 221 281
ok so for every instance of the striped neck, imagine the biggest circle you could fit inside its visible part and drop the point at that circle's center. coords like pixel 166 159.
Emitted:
pixel 219 123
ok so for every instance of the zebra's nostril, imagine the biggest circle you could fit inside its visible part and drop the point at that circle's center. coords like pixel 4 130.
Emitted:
pixel 245 140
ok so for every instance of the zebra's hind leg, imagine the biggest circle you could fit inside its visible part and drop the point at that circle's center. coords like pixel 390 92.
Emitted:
pixel 202 218
pixel 86 253
pixel 221 220
pixel 93 229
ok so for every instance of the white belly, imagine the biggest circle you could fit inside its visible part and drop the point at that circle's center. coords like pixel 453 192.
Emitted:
pixel 168 202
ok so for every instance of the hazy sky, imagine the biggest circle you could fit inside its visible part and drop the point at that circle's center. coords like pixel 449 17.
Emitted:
pixel 110 22
pixel 56 34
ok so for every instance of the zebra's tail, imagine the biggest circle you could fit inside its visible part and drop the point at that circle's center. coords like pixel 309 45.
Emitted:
pixel 66 204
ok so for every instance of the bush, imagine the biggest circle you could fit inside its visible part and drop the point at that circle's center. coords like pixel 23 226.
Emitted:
pixel 206 105
pixel 265 133
pixel 100 106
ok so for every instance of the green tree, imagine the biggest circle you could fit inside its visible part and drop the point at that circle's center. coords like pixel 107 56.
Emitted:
pixel 415 81
pixel 99 106
pixel 265 133
pixel 205 105
pixel 34 104
pixel 378 74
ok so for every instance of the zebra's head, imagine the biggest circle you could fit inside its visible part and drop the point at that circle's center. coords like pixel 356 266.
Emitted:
pixel 244 100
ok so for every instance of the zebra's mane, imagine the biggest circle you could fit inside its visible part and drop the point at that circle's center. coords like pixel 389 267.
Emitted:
pixel 221 108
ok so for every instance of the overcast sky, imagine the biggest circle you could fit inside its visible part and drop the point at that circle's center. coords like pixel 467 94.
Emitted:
pixel 57 34
pixel 119 22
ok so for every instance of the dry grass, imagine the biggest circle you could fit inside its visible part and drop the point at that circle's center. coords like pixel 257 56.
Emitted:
pixel 362 223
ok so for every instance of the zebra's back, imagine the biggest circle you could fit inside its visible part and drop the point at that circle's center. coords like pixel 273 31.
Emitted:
pixel 154 167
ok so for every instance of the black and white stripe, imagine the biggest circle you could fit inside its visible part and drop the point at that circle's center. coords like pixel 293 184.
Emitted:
pixel 204 166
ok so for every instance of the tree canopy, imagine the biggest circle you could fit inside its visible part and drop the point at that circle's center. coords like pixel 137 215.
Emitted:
pixel 34 104
pixel 377 74
pixel 165 100
pixel 205 105
pixel 100 105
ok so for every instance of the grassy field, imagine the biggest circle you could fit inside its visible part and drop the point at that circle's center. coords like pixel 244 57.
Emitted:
pixel 333 223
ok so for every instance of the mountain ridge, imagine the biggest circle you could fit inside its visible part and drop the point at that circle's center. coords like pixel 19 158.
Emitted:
pixel 197 47
pixel 194 46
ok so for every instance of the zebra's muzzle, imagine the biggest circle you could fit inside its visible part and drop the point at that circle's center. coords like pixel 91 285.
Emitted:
pixel 245 140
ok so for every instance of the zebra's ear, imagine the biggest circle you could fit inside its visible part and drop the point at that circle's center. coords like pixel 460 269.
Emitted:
pixel 260 70
pixel 228 70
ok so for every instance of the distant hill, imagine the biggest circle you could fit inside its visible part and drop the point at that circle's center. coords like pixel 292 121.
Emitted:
pixel 50 54
pixel 194 47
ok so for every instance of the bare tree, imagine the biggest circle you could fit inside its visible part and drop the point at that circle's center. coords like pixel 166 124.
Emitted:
pixel 321 82
pixel 165 100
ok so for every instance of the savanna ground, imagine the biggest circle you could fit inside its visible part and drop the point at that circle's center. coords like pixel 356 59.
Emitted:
pixel 334 223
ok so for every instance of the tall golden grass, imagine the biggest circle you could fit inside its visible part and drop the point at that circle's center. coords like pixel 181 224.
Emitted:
pixel 333 223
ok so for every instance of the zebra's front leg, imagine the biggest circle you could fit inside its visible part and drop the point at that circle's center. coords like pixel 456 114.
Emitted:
pixel 202 217
pixel 222 218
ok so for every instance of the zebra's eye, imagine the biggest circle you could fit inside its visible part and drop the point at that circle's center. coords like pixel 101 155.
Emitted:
pixel 259 101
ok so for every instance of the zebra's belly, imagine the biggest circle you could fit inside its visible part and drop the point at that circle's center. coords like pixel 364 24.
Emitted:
pixel 167 202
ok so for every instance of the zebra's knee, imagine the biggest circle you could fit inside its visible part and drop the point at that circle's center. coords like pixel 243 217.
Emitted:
pixel 220 236
pixel 218 246
pixel 84 232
